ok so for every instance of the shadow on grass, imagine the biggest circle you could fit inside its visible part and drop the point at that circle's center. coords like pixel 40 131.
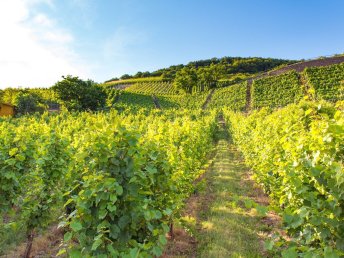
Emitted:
pixel 226 227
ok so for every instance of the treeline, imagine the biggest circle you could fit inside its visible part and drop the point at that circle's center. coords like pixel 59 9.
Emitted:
pixel 29 100
pixel 71 93
pixel 232 66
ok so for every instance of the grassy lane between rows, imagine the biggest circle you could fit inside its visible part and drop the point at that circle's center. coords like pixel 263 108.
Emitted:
pixel 228 216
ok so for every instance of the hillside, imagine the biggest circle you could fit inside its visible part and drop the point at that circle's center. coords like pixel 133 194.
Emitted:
pixel 247 168
pixel 277 87
pixel 233 65
pixel 317 79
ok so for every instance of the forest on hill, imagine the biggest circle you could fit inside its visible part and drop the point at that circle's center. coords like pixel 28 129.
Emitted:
pixel 229 66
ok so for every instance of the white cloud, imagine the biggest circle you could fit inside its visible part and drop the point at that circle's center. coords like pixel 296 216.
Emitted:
pixel 34 50
pixel 42 20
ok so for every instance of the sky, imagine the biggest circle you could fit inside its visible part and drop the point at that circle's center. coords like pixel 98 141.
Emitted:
pixel 42 40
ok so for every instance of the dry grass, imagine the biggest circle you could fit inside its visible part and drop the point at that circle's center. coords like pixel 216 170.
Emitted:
pixel 44 246
pixel 184 243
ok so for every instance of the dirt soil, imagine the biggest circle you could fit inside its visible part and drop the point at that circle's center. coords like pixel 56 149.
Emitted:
pixel 43 246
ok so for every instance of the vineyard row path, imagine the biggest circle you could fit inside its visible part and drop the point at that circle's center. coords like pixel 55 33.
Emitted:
pixel 217 215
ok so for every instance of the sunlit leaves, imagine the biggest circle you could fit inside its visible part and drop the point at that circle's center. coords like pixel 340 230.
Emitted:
pixel 297 155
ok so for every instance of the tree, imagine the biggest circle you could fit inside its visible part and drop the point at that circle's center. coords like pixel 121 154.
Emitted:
pixel 186 79
pixel 10 94
pixel 146 74
pixel 217 71
pixel 80 95
pixel 204 75
pixel 27 102
pixel 138 75
pixel 167 76
pixel 125 76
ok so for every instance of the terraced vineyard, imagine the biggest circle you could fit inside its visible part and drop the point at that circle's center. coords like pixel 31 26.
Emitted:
pixel 132 81
pixel 194 101
pixel 277 91
pixel 327 82
pixel 134 100
pixel 233 96
pixel 158 88
pixel 263 92
pixel 274 91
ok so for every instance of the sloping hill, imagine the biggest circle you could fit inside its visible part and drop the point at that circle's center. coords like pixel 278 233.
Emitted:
pixel 319 79
pixel 299 67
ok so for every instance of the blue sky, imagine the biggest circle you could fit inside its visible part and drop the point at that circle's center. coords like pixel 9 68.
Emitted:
pixel 45 39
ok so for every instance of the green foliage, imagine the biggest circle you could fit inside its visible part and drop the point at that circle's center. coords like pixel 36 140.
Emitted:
pixel 134 100
pixel 211 73
pixel 9 95
pixel 125 76
pixel 200 75
pixel 124 175
pixel 184 101
pixel 48 96
pixel 277 91
pixel 33 163
pixel 231 66
pixel 297 155
pixel 26 102
pixel 233 96
pixel 191 80
pixel 132 183
pixel 327 82
pixel 112 96
pixel 186 80
pixel 79 95
pixel 234 79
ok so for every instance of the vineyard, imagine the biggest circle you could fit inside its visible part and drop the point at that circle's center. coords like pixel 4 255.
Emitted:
pixel 194 101
pixel 327 82
pixel 118 181
pixel 233 96
pixel 276 91
pixel 297 156
pixel 321 83
pixel 133 81
pixel 158 88
pixel 120 178
pixel 134 100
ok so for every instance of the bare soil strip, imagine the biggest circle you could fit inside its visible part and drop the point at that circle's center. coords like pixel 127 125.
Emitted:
pixel 204 106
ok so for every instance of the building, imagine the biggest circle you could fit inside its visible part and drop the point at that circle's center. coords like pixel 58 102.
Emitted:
pixel 7 109
pixel 54 108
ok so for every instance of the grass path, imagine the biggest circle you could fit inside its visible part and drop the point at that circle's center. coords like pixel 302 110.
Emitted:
pixel 230 227
pixel 225 217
